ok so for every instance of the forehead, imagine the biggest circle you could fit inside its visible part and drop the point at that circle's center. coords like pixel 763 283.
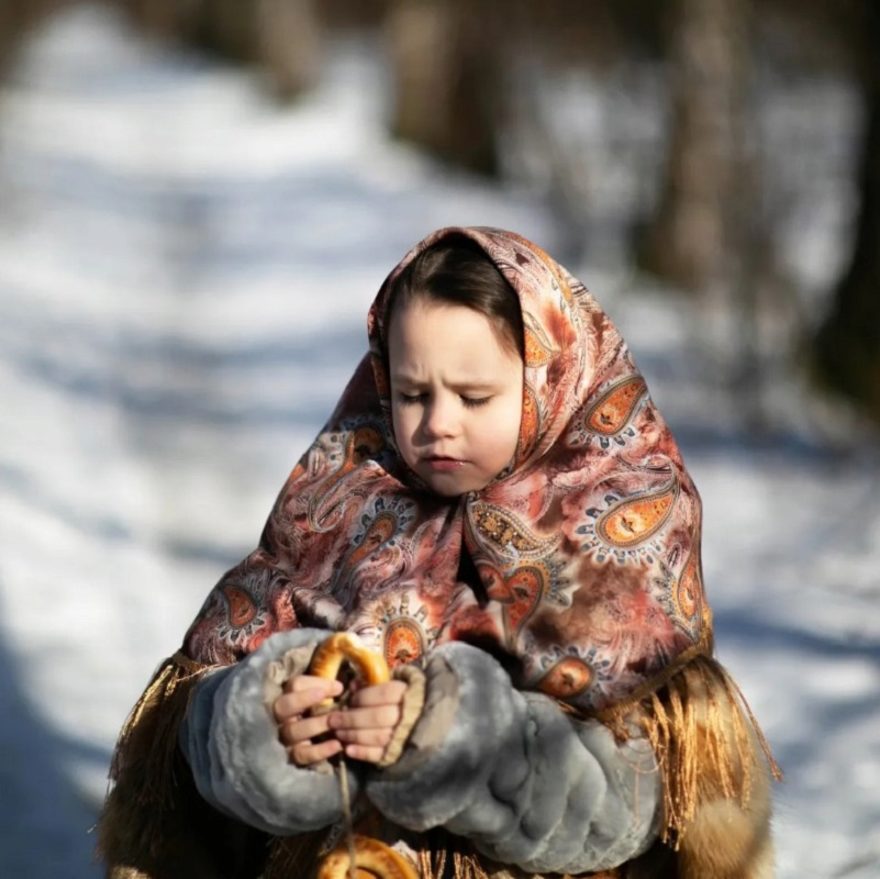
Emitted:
pixel 419 311
pixel 425 333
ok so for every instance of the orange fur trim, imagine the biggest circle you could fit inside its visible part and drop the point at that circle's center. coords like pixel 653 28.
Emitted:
pixel 706 739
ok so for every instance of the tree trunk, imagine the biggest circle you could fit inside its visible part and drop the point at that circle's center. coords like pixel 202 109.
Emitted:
pixel 281 37
pixel 687 241
pixel 445 60
pixel 289 45
pixel 10 32
pixel 17 17
pixel 848 343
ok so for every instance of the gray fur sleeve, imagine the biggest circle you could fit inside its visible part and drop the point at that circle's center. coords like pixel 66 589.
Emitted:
pixel 526 783
pixel 230 741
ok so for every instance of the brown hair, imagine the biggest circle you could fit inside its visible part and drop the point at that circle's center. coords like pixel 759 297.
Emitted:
pixel 457 271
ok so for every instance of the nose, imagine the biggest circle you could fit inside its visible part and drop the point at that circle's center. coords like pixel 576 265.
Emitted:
pixel 440 419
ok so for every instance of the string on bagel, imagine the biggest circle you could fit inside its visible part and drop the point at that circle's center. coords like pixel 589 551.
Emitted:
pixel 358 857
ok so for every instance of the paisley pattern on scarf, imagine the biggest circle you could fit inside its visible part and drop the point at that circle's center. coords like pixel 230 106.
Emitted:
pixel 580 562
pixel 608 419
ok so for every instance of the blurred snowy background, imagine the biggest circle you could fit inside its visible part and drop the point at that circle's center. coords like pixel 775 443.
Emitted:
pixel 185 266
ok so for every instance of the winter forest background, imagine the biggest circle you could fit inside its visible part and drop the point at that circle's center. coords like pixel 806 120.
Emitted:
pixel 198 201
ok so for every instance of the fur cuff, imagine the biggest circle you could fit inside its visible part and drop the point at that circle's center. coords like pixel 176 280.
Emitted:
pixel 410 712
pixel 231 742
pixel 294 662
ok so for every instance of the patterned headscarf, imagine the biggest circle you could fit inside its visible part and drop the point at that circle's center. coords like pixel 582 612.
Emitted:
pixel 578 566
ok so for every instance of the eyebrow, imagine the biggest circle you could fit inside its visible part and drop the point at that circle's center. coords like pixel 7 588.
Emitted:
pixel 477 385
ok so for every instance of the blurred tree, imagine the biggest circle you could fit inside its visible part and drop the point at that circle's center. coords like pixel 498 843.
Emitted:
pixel 848 342
pixel 16 18
pixel 445 58
pixel 281 37
pixel 289 41
pixel 709 234
pixel 340 15
pixel 708 178
pixel 9 30
pixel 558 55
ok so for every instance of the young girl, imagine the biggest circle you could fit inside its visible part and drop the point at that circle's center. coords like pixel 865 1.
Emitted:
pixel 497 507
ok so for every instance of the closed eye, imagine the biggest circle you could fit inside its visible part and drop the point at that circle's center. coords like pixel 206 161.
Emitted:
pixel 411 399
pixel 474 402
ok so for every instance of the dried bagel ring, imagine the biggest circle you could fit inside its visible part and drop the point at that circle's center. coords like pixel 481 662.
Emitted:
pixel 373 860
pixel 341 647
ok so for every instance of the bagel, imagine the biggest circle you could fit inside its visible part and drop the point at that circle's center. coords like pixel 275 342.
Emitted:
pixel 369 666
pixel 373 860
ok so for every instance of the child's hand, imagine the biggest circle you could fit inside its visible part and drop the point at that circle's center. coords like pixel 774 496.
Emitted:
pixel 296 732
pixel 366 725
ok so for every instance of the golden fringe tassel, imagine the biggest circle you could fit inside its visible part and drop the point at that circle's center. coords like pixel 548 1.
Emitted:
pixel 294 856
pixel 169 691
pixel 434 863
pixel 705 737
pixel 133 825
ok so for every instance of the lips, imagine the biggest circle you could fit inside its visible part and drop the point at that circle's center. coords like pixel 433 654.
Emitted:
pixel 442 463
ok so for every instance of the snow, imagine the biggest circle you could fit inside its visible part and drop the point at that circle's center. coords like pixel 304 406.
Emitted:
pixel 184 276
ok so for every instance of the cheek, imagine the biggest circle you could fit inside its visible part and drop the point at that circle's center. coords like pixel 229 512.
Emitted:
pixel 512 422
pixel 396 425
pixel 502 431
pixel 402 427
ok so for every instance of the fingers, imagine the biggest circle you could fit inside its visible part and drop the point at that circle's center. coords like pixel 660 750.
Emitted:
pixel 296 732
pixel 306 753
pixel 367 726
pixel 365 753
pixel 363 730
pixel 301 694
pixel 367 745
pixel 298 736
pixel 364 733
pixel 299 683
pixel 292 732
pixel 372 708
pixel 390 693
pixel 355 719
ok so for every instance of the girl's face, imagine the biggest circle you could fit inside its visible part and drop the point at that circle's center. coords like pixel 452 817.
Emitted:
pixel 456 395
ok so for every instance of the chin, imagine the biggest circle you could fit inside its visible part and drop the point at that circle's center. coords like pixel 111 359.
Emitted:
pixel 451 489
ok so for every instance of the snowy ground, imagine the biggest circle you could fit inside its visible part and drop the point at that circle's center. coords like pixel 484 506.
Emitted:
pixel 184 273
